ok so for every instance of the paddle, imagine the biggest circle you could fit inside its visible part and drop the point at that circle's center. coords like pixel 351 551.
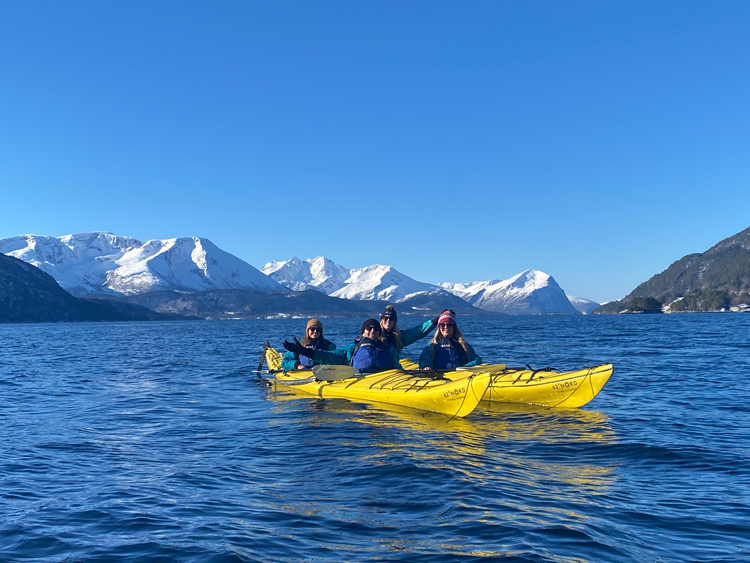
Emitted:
pixel 265 347
pixel 335 373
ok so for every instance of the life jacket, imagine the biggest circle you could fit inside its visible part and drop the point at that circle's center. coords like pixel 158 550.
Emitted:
pixel 390 339
pixel 372 355
pixel 320 344
pixel 448 354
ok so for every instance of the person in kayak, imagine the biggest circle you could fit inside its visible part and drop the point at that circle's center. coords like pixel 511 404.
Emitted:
pixel 401 338
pixel 312 340
pixel 448 348
pixel 367 353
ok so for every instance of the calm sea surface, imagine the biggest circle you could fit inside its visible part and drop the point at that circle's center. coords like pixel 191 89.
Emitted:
pixel 158 442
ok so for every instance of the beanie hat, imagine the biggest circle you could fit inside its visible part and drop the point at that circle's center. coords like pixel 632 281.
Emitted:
pixel 389 312
pixel 315 322
pixel 448 317
pixel 369 323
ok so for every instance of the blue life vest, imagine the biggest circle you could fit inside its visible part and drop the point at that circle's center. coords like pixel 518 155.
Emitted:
pixel 372 355
pixel 448 354
pixel 319 344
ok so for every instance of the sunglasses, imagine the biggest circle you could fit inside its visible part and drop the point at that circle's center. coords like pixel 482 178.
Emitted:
pixel 443 325
pixel 373 327
pixel 315 329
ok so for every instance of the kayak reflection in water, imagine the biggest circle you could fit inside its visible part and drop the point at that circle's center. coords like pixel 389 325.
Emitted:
pixel 400 338
pixel 313 340
pixel 448 348
pixel 366 353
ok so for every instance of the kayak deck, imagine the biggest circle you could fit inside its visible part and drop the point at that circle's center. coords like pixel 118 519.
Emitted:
pixel 570 389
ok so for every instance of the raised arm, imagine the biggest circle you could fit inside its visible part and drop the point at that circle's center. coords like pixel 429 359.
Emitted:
pixel 337 357
pixel 411 335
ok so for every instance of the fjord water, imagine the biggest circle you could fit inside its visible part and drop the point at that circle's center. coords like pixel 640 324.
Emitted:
pixel 158 442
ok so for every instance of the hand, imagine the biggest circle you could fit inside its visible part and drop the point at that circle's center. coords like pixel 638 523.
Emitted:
pixel 435 321
pixel 297 348
pixel 426 368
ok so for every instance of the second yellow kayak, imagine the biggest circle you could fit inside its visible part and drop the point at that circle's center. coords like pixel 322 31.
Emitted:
pixel 569 389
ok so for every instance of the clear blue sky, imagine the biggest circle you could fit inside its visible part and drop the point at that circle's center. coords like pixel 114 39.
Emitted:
pixel 457 141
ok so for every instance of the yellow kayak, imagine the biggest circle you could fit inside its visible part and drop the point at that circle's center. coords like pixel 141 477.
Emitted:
pixel 568 389
pixel 454 394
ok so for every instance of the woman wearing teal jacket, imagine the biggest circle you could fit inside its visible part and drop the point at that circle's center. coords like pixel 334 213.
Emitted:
pixel 313 340
pixel 368 353
pixel 397 338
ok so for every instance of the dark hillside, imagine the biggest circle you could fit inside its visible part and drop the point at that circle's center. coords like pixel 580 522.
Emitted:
pixel 725 267
pixel 28 295
pixel 246 303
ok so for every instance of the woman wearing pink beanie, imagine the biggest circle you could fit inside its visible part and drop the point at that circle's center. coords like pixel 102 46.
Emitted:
pixel 448 349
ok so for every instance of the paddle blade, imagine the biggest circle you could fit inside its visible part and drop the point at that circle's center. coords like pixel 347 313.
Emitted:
pixel 265 347
pixel 335 373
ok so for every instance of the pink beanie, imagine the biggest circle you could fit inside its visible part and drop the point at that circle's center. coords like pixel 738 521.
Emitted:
pixel 448 317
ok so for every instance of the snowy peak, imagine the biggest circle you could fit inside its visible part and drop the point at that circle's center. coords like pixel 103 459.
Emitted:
pixel 326 276
pixel 530 280
pixel 97 244
pixel 381 282
pixel 319 273
pixel 530 292
pixel 101 263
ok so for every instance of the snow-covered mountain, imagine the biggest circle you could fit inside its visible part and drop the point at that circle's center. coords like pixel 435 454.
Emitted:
pixel 381 282
pixel 585 306
pixel 326 276
pixel 101 263
pixel 529 293
pixel 319 273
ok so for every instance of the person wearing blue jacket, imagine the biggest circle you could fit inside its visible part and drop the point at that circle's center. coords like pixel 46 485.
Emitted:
pixel 397 338
pixel 312 340
pixel 448 348
pixel 367 353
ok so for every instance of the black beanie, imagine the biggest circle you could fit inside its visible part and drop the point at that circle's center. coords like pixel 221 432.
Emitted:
pixel 370 322
pixel 389 312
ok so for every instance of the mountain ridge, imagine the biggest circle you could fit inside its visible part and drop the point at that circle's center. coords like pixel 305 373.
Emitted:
pixel 103 264
pixel 530 292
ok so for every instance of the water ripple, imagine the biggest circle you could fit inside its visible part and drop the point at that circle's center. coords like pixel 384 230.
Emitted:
pixel 158 442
